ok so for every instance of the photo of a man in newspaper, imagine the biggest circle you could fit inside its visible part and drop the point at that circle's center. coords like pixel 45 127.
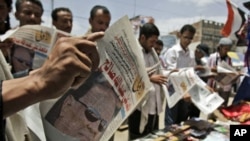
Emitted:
pixel 170 88
pixel 22 58
pixel 82 113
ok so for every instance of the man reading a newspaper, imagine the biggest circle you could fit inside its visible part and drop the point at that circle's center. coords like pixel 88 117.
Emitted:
pixel 214 59
pixel 138 126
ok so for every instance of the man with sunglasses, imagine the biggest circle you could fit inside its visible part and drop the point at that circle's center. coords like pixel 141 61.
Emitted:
pixel 84 113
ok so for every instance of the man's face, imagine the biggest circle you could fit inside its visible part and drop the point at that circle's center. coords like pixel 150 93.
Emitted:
pixel 22 59
pixel 64 21
pixel 100 22
pixel 186 38
pixel 78 118
pixel 148 43
pixel 223 50
pixel 29 14
pixel 158 48
pixel 199 54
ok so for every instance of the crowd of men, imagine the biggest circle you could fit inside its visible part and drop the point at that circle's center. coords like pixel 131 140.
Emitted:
pixel 15 96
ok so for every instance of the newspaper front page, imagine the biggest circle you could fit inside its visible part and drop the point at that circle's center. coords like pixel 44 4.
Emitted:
pixel 33 44
pixel 178 84
pixel 96 109
pixel 186 81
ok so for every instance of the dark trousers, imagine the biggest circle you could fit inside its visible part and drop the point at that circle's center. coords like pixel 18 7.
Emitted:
pixel 180 112
pixel 134 125
pixel 193 111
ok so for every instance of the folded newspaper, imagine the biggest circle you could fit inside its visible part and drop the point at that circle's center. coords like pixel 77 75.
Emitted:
pixel 204 99
pixel 96 109
pixel 226 74
pixel 186 81
pixel 179 83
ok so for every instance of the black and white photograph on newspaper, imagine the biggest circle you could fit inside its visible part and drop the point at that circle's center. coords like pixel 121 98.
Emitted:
pixel 83 113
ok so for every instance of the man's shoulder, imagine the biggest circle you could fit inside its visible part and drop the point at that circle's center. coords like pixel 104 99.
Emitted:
pixel 212 55
pixel 172 49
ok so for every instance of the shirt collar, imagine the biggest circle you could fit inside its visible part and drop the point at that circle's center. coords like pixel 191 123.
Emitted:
pixel 180 49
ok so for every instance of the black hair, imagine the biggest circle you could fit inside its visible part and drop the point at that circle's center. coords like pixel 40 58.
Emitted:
pixel 56 10
pixel 148 30
pixel 97 7
pixel 7 20
pixel 19 3
pixel 204 48
pixel 189 28
pixel 159 42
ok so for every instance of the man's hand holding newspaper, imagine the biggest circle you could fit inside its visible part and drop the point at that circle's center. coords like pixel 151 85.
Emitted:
pixel 83 111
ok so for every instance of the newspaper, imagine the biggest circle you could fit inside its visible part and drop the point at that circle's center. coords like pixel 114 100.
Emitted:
pixel 186 81
pixel 206 72
pixel 204 99
pixel 98 107
pixel 226 74
pixel 36 40
pixel 178 84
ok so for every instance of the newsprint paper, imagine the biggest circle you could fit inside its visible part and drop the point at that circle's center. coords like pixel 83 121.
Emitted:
pixel 96 109
pixel 186 81
pixel 179 83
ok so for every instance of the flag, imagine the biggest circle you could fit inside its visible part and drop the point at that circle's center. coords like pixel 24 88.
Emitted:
pixel 235 21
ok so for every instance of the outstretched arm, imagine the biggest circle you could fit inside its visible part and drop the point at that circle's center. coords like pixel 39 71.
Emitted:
pixel 69 64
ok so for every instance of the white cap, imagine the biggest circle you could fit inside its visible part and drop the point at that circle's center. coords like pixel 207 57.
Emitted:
pixel 226 41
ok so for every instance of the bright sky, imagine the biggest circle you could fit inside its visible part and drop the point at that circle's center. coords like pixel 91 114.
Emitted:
pixel 169 15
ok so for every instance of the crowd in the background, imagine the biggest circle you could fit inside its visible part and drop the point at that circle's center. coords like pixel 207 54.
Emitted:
pixel 15 96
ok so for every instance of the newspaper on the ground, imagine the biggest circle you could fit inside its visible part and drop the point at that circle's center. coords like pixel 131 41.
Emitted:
pixel 204 99
pixel 178 84
pixel 96 109
pixel 226 74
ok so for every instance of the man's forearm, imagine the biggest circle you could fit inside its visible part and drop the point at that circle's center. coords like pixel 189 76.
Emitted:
pixel 20 93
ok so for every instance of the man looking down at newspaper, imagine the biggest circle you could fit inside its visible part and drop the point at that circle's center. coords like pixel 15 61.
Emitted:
pixel 145 118
pixel 69 64
pixel 214 59
pixel 178 57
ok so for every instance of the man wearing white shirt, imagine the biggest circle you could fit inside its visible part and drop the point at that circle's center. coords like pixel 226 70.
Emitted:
pixel 214 59
pixel 145 118
pixel 176 57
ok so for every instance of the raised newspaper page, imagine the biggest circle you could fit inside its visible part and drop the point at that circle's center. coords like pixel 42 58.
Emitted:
pixel 226 74
pixel 96 109
pixel 178 84
pixel 32 44
pixel 204 99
